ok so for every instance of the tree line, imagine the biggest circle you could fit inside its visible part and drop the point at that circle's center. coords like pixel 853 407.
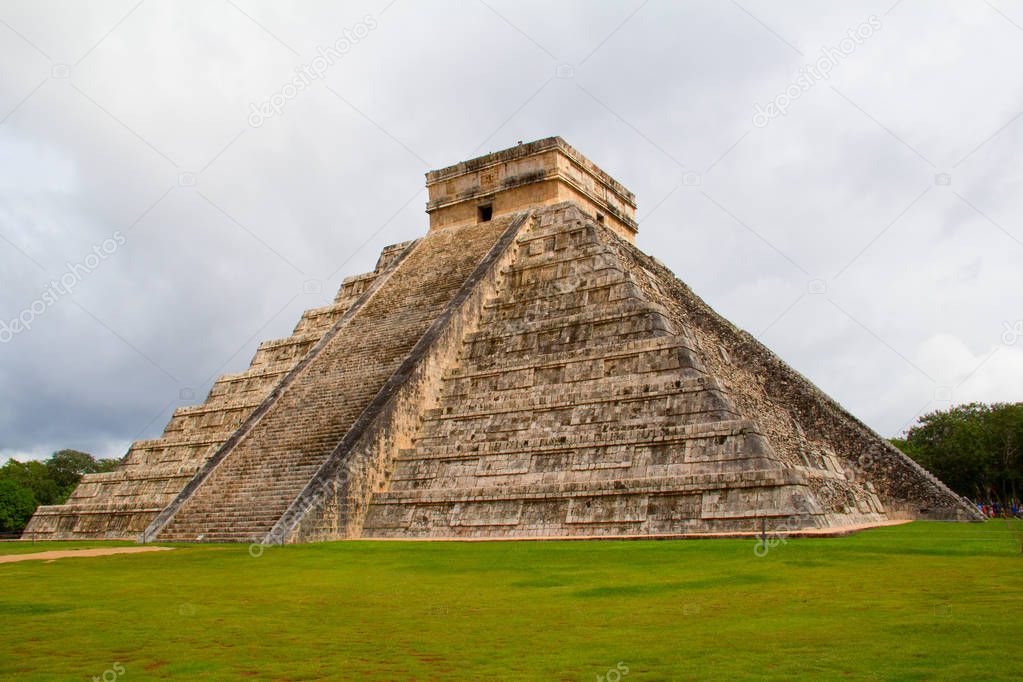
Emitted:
pixel 976 449
pixel 29 484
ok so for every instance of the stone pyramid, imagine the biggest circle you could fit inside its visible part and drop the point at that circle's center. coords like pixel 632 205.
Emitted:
pixel 521 371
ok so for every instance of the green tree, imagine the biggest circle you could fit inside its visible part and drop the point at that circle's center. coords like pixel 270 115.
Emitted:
pixel 1005 427
pixel 16 506
pixel 976 449
pixel 33 476
pixel 67 466
pixel 26 485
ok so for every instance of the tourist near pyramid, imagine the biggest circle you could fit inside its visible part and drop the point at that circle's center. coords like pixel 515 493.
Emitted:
pixel 521 371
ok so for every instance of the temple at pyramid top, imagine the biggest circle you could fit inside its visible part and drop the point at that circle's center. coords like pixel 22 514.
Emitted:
pixel 543 172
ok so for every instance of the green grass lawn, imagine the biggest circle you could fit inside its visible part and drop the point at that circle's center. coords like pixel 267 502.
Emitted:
pixel 920 601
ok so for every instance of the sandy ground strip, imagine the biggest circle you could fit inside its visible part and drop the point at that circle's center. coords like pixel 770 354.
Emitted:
pixel 64 554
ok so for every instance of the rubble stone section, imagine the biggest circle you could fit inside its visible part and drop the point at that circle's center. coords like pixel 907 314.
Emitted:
pixel 847 461
pixel 243 492
pixel 583 406
pixel 120 504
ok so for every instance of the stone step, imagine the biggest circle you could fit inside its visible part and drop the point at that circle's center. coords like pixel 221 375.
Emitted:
pixel 587 350
pixel 107 507
pixel 183 440
pixel 589 253
pixel 269 370
pixel 579 421
pixel 218 406
pixel 242 513
pixel 596 288
pixel 565 338
pixel 466 369
pixel 573 467
pixel 583 393
pixel 592 315
pixel 554 302
pixel 440 448
pixel 639 486
pixel 592 425
pixel 555 236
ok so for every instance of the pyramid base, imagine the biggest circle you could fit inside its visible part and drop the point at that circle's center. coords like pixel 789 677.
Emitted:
pixel 780 536
pixel 746 503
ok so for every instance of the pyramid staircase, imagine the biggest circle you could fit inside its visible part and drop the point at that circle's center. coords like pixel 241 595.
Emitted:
pixel 249 484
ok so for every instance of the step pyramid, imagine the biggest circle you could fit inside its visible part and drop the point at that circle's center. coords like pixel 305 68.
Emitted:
pixel 521 371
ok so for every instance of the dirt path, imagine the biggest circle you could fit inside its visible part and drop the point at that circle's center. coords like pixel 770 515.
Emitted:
pixel 63 554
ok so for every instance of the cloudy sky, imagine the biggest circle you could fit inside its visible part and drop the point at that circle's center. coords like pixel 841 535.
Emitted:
pixel 843 182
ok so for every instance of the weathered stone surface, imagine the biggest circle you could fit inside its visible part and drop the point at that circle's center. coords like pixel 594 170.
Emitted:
pixel 519 372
